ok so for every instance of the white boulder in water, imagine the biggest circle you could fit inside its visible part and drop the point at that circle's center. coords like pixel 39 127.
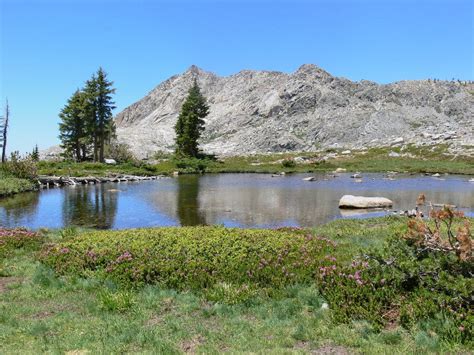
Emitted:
pixel 350 201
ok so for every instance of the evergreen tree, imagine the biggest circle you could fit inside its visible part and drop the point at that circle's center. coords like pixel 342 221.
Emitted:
pixel 73 129
pixel 105 105
pixel 98 112
pixel 90 114
pixel 35 153
pixel 190 122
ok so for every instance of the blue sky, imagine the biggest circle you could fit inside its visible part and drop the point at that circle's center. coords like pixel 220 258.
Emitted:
pixel 50 47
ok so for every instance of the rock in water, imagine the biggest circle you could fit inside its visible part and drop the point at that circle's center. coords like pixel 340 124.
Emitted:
pixel 310 178
pixel 350 201
pixel 309 109
pixel 421 199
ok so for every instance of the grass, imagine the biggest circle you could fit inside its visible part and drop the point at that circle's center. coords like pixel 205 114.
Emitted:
pixel 41 312
pixel 11 185
pixel 417 160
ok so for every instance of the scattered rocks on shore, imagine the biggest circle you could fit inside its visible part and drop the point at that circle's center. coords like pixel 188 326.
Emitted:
pixel 58 181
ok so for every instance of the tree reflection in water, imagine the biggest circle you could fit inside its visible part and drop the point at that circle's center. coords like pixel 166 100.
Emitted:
pixel 90 206
pixel 18 207
pixel 188 210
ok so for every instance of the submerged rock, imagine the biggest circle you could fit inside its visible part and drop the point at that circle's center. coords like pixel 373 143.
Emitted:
pixel 350 201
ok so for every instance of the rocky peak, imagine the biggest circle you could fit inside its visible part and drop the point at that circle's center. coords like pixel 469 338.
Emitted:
pixel 262 111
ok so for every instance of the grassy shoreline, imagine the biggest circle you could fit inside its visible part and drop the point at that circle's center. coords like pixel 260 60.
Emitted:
pixel 41 310
pixel 12 185
pixel 411 160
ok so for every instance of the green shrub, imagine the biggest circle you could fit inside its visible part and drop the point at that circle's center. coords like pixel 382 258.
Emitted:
pixel 120 152
pixel 192 165
pixel 288 163
pixel 401 284
pixel 11 239
pixel 22 168
pixel 12 185
pixel 191 257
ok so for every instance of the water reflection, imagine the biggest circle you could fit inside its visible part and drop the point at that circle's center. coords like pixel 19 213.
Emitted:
pixel 90 206
pixel 188 210
pixel 241 200
pixel 15 208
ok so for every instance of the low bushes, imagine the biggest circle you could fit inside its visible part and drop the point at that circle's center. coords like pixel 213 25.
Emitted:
pixel 193 257
pixel 11 239
pixel 416 281
pixel 12 185
pixel 22 168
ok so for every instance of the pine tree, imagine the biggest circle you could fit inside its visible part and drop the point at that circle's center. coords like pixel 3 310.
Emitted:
pixel 73 129
pixel 90 114
pixel 105 105
pixel 35 153
pixel 99 112
pixel 190 123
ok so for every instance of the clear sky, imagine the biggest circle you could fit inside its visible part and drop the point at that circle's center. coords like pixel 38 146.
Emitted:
pixel 50 47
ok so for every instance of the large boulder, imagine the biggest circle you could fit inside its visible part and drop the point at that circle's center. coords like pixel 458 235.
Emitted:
pixel 350 201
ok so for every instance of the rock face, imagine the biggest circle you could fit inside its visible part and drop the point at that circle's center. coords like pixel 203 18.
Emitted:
pixel 349 201
pixel 266 111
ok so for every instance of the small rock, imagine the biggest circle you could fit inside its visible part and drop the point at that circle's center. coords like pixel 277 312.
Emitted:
pixel 346 152
pixel 340 170
pixel 110 161
pixel 393 155
pixel 398 140
pixel 356 176
pixel 310 178
pixel 436 175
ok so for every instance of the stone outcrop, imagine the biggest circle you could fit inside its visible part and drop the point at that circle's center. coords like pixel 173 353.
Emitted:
pixel 349 201
pixel 267 111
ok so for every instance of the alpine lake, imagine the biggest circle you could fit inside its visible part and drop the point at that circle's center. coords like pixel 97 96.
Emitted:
pixel 233 200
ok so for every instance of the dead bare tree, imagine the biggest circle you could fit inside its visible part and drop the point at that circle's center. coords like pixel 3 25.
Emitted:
pixel 4 131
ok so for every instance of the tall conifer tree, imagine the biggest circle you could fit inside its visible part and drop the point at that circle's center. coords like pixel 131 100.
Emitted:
pixel 190 123
pixel 73 129
pixel 105 105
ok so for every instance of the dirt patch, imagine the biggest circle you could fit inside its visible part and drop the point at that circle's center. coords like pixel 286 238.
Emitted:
pixel 155 320
pixel 43 314
pixel 324 350
pixel 392 317
pixel 190 346
pixel 5 281
pixel 331 350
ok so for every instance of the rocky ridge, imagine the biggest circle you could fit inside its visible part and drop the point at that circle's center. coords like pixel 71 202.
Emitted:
pixel 308 110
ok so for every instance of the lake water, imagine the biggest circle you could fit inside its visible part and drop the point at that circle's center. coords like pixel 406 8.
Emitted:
pixel 240 200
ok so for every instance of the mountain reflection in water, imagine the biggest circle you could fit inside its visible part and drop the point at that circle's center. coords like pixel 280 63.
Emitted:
pixel 241 200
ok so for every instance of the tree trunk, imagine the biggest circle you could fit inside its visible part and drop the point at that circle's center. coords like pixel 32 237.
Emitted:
pixel 101 145
pixel 95 147
pixel 78 151
pixel 4 134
